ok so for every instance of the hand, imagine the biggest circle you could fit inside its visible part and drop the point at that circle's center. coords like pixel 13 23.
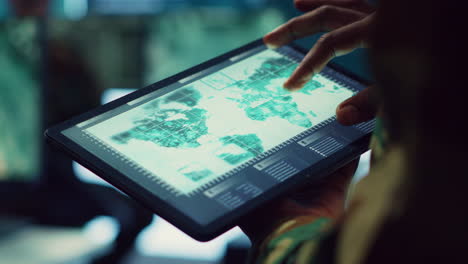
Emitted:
pixel 325 199
pixel 349 22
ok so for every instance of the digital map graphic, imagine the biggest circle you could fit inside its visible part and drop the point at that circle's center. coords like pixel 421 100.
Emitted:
pixel 195 134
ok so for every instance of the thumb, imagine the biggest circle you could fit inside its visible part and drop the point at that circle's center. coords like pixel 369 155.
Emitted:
pixel 356 109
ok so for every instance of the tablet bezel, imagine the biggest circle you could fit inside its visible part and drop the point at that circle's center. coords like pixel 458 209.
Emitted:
pixel 166 210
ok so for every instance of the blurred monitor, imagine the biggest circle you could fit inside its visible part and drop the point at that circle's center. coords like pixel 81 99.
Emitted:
pixel 3 9
pixel 20 128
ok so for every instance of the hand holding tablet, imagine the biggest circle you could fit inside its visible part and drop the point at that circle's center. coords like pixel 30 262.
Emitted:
pixel 325 199
pixel 209 145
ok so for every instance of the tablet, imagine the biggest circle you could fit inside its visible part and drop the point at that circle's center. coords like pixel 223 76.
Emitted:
pixel 205 147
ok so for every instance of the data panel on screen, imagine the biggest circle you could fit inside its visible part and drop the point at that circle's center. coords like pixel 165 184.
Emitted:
pixel 192 136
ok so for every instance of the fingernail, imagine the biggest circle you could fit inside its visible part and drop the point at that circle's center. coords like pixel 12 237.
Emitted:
pixel 271 46
pixel 343 104
pixel 348 112
pixel 298 84
pixel 288 85
pixel 267 40
pixel 293 86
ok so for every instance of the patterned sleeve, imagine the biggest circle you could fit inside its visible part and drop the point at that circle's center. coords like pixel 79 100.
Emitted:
pixel 295 241
pixel 299 240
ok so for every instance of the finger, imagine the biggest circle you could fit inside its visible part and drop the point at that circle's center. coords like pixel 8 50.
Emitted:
pixel 358 5
pixel 357 109
pixel 338 42
pixel 325 18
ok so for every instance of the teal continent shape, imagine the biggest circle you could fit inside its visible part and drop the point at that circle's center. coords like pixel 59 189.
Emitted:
pixel 283 68
pixel 186 96
pixel 250 143
pixel 198 175
pixel 261 102
pixel 175 128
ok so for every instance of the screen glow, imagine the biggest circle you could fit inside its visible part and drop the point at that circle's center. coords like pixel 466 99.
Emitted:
pixel 190 137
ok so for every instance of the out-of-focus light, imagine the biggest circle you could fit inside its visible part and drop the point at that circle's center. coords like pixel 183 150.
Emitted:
pixel 164 240
pixel 114 93
pixel 101 230
pixel 363 167
pixel 85 175
pixel 75 9
pixel 4 10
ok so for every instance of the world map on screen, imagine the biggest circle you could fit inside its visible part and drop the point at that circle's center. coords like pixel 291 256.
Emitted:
pixel 195 134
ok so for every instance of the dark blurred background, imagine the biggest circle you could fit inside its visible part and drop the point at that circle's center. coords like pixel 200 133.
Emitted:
pixel 59 58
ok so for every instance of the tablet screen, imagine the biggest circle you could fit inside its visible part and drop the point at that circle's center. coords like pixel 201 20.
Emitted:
pixel 220 137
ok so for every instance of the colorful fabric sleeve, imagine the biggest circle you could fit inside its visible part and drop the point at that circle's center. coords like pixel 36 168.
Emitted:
pixel 299 240
pixel 295 241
